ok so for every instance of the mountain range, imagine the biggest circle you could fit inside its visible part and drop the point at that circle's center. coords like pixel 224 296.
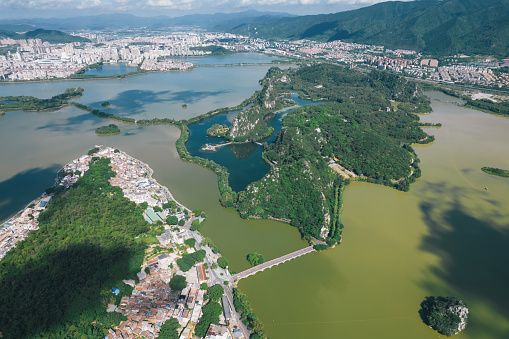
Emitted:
pixel 215 22
pixel 434 27
pixel 51 36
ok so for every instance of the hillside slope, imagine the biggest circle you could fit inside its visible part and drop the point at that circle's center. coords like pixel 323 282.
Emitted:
pixel 51 36
pixel 435 27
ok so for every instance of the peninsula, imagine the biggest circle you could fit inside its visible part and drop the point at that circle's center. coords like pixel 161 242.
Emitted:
pixel 108 229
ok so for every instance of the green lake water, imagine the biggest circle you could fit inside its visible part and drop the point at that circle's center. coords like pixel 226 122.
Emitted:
pixel 447 236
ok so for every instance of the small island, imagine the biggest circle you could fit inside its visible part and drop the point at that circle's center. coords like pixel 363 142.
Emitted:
pixel 217 130
pixel 184 106
pixel 105 104
pixel 255 259
pixel 496 171
pixel 111 129
pixel 446 315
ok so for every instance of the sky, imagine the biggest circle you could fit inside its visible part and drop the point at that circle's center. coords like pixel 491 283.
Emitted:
pixel 13 9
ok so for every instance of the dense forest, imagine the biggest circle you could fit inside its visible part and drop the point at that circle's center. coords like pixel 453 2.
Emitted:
pixel 29 103
pixel 57 282
pixel 365 124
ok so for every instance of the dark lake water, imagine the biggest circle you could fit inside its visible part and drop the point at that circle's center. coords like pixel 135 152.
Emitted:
pixel 244 161
pixel 111 69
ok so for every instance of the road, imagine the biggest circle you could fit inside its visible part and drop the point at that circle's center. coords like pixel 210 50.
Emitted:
pixel 268 264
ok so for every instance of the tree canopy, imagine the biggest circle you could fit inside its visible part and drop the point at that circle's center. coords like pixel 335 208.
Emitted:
pixel 178 282
pixel 255 258
pixel 216 292
pixel 444 314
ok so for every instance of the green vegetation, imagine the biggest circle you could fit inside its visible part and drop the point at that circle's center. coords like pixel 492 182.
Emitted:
pixel 501 108
pixel 172 220
pixel 195 225
pixel 443 314
pixel 222 262
pixel 51 36
pixel 214 50
pixel 432 27
pixel 208 242
pixel 217 130
pixel 255 259
pixel 178 282
pixel 169 330
pixel 102 114
pixel 93 151
pixel 243 306
pixel 216 292
pixel 211 313
pixel 8 49
pixel 65 271
pixel 204 286
pixel 188 260
pixel 111 129
pixel 496 171
pixel 29 103
pixel 105 104
pixel 356 127
pixel 184 106
pixel 190 242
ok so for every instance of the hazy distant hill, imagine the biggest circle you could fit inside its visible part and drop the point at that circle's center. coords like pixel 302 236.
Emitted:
pixel 51 36
pixel 219 21
pixel 437 27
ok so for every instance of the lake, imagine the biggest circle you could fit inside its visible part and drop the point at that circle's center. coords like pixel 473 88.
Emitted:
pixel 447 236
pixel 243 161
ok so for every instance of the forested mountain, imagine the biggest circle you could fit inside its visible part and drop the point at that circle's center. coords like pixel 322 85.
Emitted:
pixel 51 36
pixel 436 27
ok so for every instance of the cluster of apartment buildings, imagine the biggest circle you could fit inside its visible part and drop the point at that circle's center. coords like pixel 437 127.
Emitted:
pixel 35 59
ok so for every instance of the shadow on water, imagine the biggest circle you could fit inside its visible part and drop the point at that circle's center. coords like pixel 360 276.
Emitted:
pixel 70 125
pixel 474 252
pixel 133 101
pixel 23 187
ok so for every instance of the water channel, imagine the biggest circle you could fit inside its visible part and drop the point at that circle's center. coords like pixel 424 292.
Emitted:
pixel 447 236
pixel 244 161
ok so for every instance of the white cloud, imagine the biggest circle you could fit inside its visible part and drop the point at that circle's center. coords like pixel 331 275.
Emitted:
pixel 173 4
pixel 309 2
pixel 89 4
pixel 359 2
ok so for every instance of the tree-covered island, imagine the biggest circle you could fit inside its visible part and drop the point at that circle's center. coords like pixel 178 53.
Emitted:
pixel 446 315
pixel 496 171
pixel 111 129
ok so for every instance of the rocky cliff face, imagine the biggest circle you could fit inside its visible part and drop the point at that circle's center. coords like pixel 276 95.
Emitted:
pixel 251 124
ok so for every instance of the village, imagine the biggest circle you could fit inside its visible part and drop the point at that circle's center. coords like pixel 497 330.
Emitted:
pixel 152 302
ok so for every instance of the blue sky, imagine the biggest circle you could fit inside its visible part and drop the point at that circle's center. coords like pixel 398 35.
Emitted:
pixel 66 8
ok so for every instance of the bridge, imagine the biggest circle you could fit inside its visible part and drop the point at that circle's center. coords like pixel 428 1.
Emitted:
pixel 273 262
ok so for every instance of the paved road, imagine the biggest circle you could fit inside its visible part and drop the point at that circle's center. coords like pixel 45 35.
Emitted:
pixel 273 262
